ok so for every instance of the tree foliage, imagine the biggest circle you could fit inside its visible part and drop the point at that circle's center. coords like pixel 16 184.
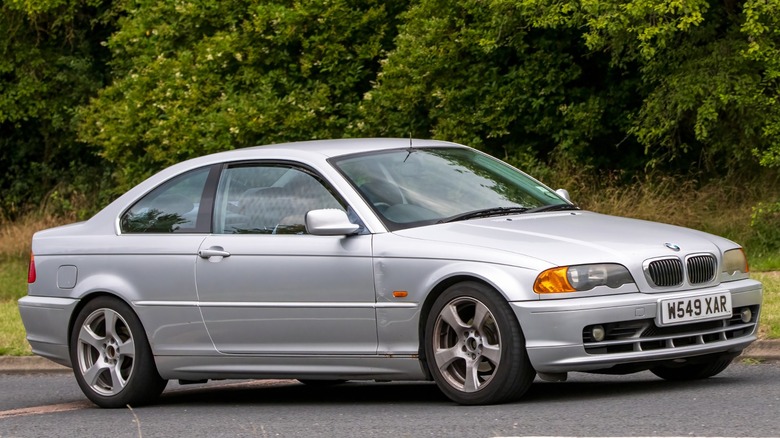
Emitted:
pixel 477 72
pixel 50 63
pixel 198 77
pixel 679 80
pixel 130 86
pixel 709 70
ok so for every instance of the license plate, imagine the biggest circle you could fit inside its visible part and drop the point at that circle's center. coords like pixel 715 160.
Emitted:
pixel 679 310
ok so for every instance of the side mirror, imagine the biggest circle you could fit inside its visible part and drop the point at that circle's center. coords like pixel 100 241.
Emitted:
pixel 329 222
pixel 563 193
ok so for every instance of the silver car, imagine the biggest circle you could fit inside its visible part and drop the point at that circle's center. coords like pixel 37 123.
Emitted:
pixel 376 259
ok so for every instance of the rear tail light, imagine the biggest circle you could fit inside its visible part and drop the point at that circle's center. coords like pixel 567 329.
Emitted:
pixel 31 270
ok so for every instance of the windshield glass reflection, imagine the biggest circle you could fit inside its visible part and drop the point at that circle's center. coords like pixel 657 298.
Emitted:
pixel 419 186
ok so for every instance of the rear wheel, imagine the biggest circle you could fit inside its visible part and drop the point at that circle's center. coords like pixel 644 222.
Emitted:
pixel 111 357
pixel 475 348
pixel 692 371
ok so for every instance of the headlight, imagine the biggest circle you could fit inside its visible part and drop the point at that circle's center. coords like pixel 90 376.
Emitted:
pixel 581 278
pixel 735 264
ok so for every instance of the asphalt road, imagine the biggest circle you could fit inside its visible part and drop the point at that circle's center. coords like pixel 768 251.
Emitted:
pixel 742 401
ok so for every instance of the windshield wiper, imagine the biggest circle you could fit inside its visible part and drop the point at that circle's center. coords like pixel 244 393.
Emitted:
pixel 553 207
pixel 486 212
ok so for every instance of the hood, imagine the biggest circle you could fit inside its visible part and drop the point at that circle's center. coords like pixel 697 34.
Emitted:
pixel 571 238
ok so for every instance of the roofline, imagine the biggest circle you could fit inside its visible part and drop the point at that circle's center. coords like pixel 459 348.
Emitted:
pixel 335 147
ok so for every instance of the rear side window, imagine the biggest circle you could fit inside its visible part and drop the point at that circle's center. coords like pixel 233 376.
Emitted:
pixel 171 208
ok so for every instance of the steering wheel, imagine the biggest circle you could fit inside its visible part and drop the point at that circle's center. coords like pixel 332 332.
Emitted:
pixel 381 206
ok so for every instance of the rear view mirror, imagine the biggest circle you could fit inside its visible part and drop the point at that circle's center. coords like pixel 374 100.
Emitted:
pixel 563 193
pixel 329 222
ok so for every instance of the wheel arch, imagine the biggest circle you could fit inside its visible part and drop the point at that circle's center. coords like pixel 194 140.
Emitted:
pixel 104 285
pixel 89 297
pixel 431 297
pixel 508 372
pixel 137 383
pixel 511 282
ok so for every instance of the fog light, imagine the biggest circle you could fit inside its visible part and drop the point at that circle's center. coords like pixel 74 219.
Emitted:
pixel 746 315
pixel 598 333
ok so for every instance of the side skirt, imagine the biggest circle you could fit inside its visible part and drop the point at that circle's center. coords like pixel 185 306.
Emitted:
pixel 388 367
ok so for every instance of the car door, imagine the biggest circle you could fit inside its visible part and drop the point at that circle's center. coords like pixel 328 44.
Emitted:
pixel 265 286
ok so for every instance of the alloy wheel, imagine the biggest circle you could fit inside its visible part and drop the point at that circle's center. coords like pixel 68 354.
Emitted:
pixel 105 352
pixel 466 344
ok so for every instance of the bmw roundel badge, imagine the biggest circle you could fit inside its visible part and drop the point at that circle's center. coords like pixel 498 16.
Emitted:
pixel 672 246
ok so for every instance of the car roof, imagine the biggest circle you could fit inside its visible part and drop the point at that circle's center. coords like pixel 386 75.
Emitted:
pixel 332 148
pixel 311 149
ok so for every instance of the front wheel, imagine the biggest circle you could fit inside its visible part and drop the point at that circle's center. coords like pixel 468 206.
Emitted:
pixel 693 371
pixel 475 348
pixel 111 357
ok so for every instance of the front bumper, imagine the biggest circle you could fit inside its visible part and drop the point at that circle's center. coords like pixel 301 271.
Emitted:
pixel 553 330
pixel 46 320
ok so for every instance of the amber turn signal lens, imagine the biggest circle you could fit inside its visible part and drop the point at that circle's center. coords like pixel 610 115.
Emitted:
pixel 400 293
pixel 553 281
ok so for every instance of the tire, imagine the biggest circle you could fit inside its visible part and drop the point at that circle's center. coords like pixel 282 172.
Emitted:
pixel 111 358
pixel 693 371
pixel 474 346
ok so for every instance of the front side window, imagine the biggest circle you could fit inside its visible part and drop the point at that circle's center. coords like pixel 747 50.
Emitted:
pixel 171 208
pixel 268 199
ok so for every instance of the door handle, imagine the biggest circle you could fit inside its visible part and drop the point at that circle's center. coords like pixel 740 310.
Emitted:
pixel 214 251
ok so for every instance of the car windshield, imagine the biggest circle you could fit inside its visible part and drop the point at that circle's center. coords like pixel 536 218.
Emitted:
pixel 420 186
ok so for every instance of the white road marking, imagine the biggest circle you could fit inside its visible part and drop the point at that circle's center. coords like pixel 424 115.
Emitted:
pixel 46 409
pixel 73 406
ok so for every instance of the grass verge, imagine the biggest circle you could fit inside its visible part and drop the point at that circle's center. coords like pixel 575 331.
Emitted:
pixel 13 285
pixel 12 335
pixel 15 240
pixel 770 311
pixel 13 278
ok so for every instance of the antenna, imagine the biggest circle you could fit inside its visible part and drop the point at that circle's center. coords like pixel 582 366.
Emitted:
pixel 411 148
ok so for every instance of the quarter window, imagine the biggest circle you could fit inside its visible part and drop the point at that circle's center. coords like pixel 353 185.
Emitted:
pixel 171 208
